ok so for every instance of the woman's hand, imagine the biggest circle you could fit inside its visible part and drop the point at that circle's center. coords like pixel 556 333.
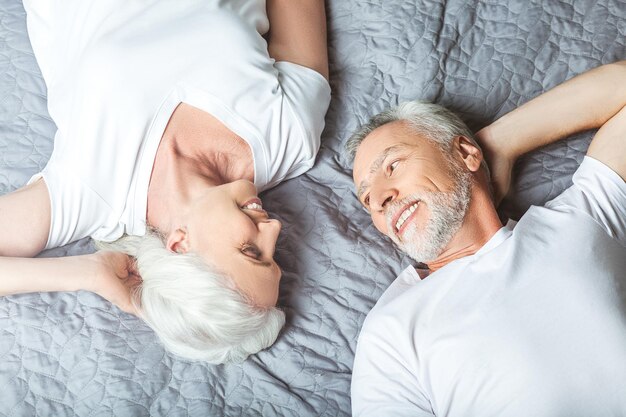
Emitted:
pixel 115 279
pixel 500 159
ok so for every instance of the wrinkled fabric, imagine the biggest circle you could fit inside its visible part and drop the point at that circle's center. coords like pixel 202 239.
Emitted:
pixel 76 354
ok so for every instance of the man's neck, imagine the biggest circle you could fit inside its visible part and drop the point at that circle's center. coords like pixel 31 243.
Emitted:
pixel 480 224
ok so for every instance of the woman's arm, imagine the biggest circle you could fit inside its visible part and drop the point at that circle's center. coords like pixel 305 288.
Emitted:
pixel 24 228
pixel 587 101
pixel 25 220
pixel 298 33
pixel 109 274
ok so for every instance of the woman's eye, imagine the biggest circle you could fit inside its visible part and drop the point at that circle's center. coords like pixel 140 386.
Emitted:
pixel 251 251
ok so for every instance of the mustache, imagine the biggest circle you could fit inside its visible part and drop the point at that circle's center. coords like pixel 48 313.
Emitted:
pixel 398 205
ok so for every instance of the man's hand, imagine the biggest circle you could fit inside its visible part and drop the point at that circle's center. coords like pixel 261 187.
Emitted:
pixel 115 279
pixel 500 160
pixel 588 101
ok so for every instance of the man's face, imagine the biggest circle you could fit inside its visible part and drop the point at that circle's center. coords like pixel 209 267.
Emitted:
pixel 416 194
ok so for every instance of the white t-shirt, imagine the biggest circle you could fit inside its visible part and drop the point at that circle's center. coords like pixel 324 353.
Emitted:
pixel 116 70
pixel 533 324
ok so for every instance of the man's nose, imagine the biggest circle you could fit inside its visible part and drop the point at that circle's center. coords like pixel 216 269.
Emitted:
pixel 381 197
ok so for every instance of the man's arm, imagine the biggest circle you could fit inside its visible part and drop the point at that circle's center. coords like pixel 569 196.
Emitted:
pixel 298 33
pixel 587 101
pixel 609 144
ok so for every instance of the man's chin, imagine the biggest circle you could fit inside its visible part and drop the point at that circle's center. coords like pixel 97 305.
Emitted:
pixel 419 253
pixel 421 258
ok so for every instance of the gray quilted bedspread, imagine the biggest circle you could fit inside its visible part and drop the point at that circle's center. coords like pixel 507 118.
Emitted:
pixel 75 354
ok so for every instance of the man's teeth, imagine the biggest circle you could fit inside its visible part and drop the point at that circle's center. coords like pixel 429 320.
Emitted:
pixel 253 206
pixel 405 215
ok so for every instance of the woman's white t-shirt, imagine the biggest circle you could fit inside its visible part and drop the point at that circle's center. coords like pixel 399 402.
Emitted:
pixel 115 72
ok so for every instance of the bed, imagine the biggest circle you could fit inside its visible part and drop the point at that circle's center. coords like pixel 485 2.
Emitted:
pixel 75 354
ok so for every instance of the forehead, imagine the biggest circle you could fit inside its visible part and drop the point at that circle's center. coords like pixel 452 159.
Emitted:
pixel 387 137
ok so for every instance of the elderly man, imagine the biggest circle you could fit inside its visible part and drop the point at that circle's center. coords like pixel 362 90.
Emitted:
pixel 525 319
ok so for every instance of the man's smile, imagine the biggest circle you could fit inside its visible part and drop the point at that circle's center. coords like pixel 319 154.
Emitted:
pixel 400 219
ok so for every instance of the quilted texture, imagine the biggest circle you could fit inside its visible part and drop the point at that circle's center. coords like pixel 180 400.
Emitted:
pixel 75 354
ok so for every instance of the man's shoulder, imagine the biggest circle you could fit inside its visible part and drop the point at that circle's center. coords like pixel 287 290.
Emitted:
pixel 407 279
pixel 592 178
pixel 390 300
pixel 597 193
pixel 406 299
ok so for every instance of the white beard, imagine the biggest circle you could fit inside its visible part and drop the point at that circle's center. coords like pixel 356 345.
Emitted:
pixel 447 211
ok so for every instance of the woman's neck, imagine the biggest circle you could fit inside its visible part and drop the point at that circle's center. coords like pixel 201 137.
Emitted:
pixel 196 151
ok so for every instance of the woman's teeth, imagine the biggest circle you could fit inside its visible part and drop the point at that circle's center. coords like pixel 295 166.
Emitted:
pixel 405 215
pixel 253 206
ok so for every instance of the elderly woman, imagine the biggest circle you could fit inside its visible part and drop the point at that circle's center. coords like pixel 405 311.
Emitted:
pixel 171 117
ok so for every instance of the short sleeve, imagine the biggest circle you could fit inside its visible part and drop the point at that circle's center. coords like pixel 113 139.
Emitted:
pixel 52 27
pixel 76 211
pixel 306 96
pixel 382 383
pixel 599 192
pixel 43 32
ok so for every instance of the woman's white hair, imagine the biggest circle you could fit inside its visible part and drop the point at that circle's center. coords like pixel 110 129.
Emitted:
pixel 434 122
pixel 196 311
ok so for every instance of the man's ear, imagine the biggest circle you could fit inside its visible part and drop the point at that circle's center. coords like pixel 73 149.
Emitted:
pixel 178 241
pixel 470 153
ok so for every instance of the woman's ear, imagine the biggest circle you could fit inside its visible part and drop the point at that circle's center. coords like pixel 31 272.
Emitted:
pixel 178 241
pixel 472 156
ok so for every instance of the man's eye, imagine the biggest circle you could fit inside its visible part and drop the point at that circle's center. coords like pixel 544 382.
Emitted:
pixel 251 250
pixel 366 201
pixel 393 166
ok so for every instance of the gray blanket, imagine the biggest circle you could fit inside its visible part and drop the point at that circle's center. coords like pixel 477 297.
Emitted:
pixel 75 354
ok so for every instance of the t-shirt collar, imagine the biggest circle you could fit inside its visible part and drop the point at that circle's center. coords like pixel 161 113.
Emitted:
pixel 500 236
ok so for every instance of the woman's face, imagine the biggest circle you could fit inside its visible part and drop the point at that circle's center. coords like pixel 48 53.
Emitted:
pixel 228 228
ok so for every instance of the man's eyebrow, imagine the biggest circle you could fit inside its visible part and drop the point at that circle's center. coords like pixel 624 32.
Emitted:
pixel 376 166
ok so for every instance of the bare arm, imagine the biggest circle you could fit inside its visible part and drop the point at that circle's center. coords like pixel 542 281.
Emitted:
pixel 609 144
pixel 588 101
pixel 24 226
pixel 298 33
pixel 25 220
pixel 109 274
pixel 24 275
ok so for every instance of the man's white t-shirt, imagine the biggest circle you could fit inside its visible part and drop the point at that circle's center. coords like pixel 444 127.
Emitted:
pixel 116 70
pixel 533 324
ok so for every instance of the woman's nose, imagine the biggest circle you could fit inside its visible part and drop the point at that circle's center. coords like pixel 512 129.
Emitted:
pixel 268 234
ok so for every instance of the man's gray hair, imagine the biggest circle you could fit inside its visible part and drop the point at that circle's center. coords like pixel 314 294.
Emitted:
pixel 432 121
pixel 196 311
